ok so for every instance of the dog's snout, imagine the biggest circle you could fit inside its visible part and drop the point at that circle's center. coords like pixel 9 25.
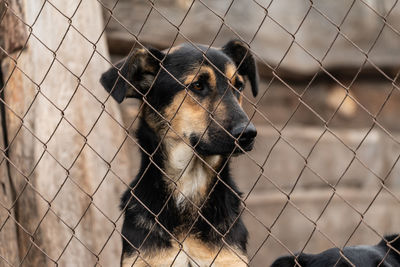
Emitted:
pixel 245 133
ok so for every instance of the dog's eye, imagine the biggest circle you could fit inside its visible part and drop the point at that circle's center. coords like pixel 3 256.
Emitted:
pixel 197 86
pixel 239 86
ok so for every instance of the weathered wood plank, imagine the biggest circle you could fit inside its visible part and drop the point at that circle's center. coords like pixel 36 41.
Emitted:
pixel 13 33
pixel 12 37
pixel 8 232
pixel 62 178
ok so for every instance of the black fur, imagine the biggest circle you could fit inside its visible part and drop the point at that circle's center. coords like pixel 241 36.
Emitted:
pixel 221 209
pixel 148 225
pixel 360 256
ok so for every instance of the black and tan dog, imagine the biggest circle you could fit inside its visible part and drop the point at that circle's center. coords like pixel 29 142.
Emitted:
pixel 385 254
pixel 192 120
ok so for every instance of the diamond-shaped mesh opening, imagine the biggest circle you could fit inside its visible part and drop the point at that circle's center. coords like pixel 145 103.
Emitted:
pixel 76 70
pixel 53 41
pixel 35 75
pixel 8 231
pixel 370 20
pixel 389 108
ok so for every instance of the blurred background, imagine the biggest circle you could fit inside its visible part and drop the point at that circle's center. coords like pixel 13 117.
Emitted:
pixel 324 172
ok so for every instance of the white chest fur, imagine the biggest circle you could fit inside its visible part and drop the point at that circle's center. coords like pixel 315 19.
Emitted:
pixel 191 175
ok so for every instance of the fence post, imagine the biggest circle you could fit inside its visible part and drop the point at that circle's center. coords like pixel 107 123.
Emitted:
pixel 12 36
pixel 60 138
pixel 8 232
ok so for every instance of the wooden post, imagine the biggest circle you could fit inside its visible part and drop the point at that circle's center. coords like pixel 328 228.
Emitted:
pixel 12 32
pixel 8 232
pixel 61 139
pixel 12 37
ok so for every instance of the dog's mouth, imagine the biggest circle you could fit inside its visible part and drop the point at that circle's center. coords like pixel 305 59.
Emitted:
pixel 222 147
pixel 247 145
pixel 243 147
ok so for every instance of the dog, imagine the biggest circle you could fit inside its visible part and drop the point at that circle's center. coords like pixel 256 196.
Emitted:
pixel 183 208
pixel 382 254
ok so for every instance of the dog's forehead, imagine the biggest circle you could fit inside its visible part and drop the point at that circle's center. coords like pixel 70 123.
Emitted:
pixel 186 56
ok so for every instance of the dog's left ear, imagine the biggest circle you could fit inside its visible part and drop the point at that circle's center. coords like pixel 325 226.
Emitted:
pixel 244 60
pixel 133 75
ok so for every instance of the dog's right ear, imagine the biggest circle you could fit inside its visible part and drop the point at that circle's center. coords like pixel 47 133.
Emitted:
pixel 244 60
pixel 133 75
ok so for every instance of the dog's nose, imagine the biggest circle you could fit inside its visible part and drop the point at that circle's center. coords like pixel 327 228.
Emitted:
pixel 249 133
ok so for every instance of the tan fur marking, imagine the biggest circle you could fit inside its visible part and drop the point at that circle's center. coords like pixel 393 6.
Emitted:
pixel 150 118
pixel 186 117
pixel 220 112
pixel 232 74
pixel 193 76
pixel 146 66
pixel 161 258
pixel 203 254
pixel 240 78
pixel 240 100
pixel 143 55
pixel 200 254
pixel 141 51
pixel 149 68
pixel 173 49
pixel 230 71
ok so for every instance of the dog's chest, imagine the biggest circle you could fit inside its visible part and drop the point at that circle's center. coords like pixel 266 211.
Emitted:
pixel 190 252
pixel 188 176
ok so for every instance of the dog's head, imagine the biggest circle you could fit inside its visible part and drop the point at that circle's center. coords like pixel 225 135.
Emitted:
pixel 192 94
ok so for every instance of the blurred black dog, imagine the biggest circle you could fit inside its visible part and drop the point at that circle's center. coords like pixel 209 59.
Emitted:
pixel 192 102
pixel 360 256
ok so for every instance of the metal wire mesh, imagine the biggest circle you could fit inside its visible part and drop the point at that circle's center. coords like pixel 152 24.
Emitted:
pixel 279 131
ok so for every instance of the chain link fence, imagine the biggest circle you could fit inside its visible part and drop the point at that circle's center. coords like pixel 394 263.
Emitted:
pixel 323 172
